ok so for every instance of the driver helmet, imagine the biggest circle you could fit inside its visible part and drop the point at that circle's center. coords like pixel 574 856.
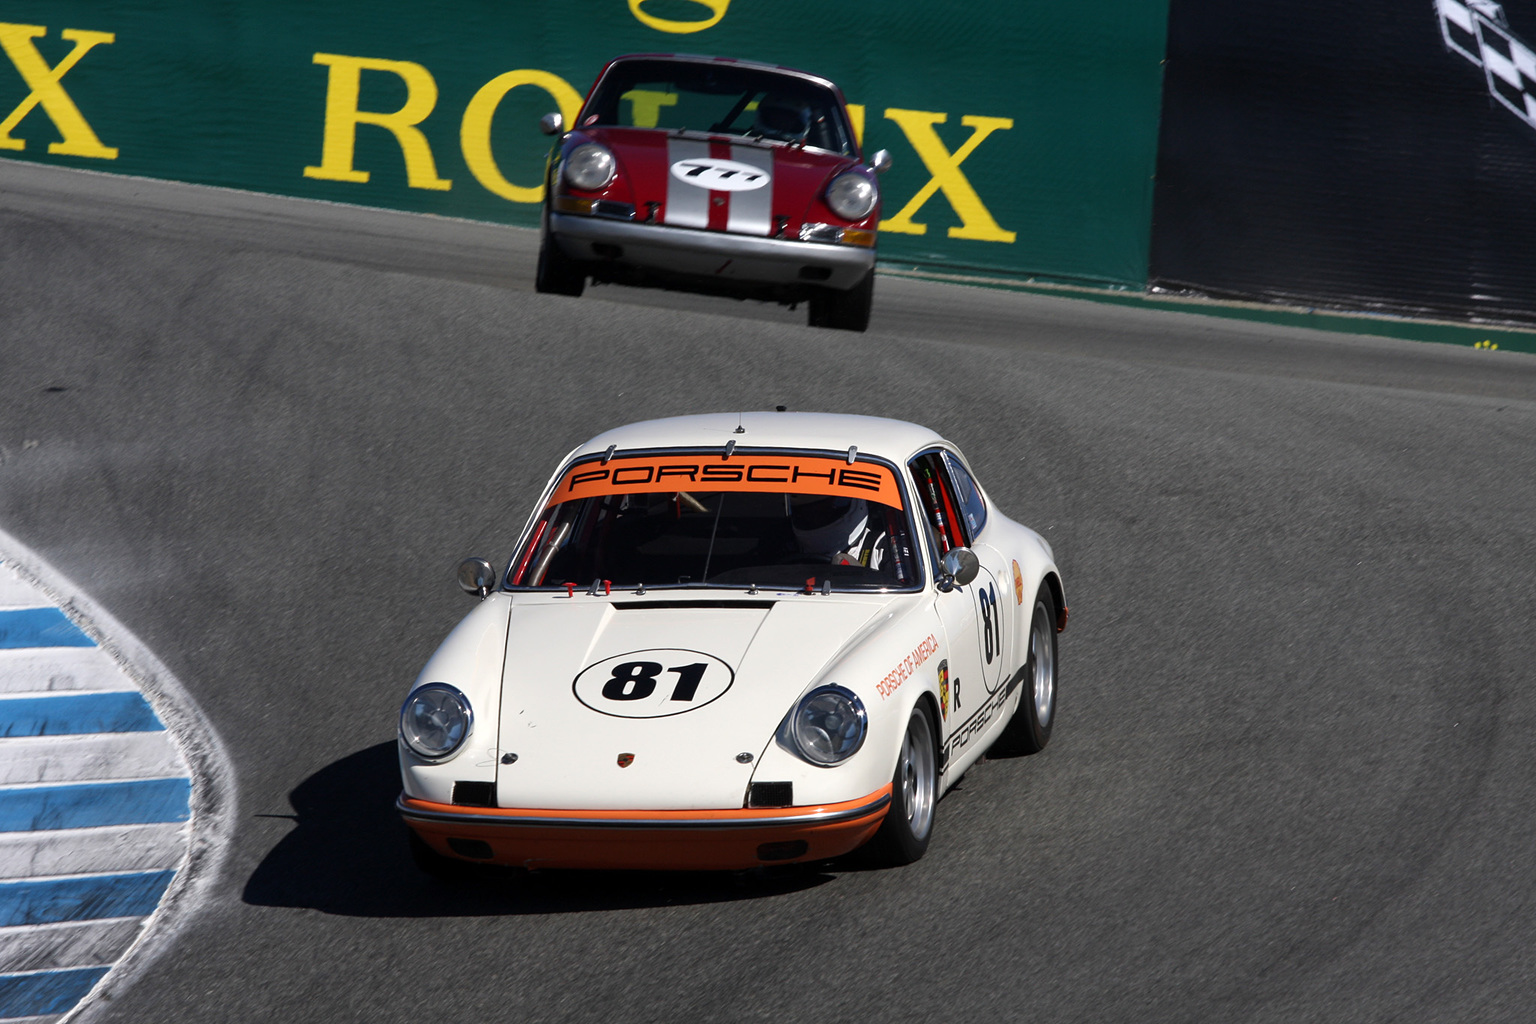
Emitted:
pixel 782 119
pixel 828 525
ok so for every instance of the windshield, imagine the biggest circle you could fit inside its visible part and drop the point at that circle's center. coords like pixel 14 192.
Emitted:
pixel 720 99
pixel 771 521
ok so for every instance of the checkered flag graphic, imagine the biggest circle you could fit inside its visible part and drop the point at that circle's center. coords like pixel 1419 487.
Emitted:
pixel 1479 31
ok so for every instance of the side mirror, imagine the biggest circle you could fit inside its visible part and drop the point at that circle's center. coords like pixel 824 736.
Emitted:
pixel 958 567
pixel 550 124
pixel 881 161
pixel 477 577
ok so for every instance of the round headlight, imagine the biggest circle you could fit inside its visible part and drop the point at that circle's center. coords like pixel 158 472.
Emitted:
pixel 589 167
pixel 852 195
pixel 434 720
pixel 828 725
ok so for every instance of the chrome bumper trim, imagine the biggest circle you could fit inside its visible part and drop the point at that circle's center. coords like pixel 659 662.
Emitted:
pixel 651 244
pixel 664 824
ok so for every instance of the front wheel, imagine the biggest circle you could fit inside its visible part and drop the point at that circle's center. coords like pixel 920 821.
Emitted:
pixel 844 311
pixel 1029 730
pixel 908 825
pixel 557 274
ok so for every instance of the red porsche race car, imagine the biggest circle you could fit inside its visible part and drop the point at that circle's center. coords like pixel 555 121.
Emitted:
pixel 721 176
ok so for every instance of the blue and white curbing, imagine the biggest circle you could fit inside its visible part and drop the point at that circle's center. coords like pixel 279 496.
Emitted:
pixel 112 826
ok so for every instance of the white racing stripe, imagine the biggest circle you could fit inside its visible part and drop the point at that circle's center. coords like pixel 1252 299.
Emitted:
pixel 55 947
pixel 687 205
pixel 89 758
pixel 752 212
pixel 82 851
pixel 54 669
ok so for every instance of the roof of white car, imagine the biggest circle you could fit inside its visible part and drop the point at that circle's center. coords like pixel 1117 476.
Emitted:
pixel 872 435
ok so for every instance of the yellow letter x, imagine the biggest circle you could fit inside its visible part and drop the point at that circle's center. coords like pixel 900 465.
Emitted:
pixel 79 140
pixel 975 221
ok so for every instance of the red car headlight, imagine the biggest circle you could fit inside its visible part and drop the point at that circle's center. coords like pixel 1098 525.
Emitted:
pixel 589 167
pixel 853 195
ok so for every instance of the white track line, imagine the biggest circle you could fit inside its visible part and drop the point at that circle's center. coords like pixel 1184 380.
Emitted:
pixel 98 757
pixel 55 947
pixel 57 669
pixel 86 851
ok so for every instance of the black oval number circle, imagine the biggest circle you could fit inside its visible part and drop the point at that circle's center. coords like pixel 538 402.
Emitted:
pixel 653 684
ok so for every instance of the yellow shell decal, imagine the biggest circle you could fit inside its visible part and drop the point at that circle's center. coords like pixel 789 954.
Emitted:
pixel 1018 584
pixel 716 8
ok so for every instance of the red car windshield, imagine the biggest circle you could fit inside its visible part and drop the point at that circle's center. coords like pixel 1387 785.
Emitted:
pixel 720 99
pixel 776 521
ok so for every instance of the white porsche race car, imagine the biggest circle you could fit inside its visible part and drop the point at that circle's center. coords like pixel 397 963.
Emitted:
pixel 733 640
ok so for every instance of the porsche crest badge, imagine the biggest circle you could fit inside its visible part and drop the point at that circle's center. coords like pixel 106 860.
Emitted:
pixel 625 760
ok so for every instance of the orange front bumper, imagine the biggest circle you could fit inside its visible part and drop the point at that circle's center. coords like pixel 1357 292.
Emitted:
pixel 710 840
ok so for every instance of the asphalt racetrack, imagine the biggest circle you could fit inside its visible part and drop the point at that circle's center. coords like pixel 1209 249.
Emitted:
pixel 1292 777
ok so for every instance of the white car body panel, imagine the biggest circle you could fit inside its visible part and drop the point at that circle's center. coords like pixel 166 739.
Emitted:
pixel 684 760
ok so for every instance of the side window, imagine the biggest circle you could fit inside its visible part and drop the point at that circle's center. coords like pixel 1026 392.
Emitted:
pixel 972 507
pixel 936 494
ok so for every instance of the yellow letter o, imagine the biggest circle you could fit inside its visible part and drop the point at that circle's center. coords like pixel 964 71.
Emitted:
pixel 475 132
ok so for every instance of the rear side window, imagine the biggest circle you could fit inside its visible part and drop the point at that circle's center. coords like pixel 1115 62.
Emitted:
pixel 940 505
pixel 972 508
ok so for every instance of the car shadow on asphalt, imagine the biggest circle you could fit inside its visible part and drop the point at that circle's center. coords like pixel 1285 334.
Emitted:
pixel 347 855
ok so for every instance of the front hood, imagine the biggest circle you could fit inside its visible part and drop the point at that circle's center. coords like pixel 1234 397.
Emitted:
pixel 738 186
pixel 680 687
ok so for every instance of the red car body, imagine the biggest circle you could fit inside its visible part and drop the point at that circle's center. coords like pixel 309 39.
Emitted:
pixel 744 202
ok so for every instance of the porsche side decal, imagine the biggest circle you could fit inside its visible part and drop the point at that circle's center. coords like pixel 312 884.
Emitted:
pixel 893 679
pixel 653 684
pixel 973 726
pixel 944 689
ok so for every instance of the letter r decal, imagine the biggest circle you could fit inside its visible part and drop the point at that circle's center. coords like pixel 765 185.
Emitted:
pixel 342 117
pixel 975 221
pixel 78 139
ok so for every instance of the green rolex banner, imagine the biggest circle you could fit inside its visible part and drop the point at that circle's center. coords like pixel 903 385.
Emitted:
pixel 1024 132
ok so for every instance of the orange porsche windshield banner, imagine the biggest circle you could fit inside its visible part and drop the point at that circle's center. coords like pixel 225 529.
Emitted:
pixel 780 474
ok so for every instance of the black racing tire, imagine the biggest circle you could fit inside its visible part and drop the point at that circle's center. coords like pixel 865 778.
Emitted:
pixel 1029 730
pixel 908 824
pixel 844 311
pixel 557 273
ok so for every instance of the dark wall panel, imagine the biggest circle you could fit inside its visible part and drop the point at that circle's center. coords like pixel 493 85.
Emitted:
pixel 1347 153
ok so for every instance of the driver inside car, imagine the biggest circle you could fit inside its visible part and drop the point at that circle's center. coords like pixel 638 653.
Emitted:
pixel 837 530
pixel 782 119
